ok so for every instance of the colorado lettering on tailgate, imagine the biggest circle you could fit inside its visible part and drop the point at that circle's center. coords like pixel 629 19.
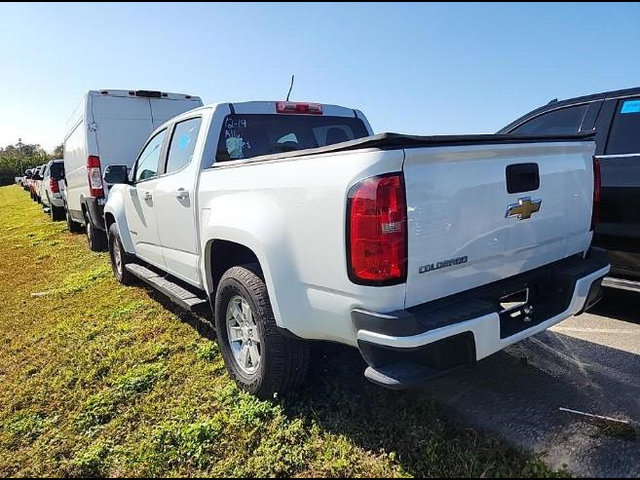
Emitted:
pixel 444 264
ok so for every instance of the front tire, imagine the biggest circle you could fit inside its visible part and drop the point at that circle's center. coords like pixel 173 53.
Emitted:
pixel 120 258
pixel 258 357
pixel 96 238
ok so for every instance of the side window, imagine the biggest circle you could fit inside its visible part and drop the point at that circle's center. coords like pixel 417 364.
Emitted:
pixel 147 165
pixel 625 129
pixel 183 144
pixel 564 121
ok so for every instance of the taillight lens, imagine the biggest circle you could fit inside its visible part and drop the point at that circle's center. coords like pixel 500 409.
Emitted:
pixel 299 108
pixel 95 177
pixel 377 231
pixel 597 192
pixel 53 186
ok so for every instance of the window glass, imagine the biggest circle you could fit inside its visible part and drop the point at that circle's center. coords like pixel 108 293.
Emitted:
pixel 183 144
pixel 246 136
pixel 560 122
pixel 147 166
pixel 57 170
pixel 625 130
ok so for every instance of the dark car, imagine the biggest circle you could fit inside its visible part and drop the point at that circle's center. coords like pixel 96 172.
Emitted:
pixel 615 119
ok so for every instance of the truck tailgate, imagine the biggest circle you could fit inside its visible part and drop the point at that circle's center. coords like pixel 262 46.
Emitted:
pixel 464 229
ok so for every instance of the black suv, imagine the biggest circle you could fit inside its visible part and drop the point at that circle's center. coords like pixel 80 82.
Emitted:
pixel 615 118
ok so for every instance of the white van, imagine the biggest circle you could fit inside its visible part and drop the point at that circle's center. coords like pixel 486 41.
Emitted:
pixel 109 127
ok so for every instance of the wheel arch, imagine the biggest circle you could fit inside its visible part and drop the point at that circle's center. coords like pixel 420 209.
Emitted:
pixel 240 248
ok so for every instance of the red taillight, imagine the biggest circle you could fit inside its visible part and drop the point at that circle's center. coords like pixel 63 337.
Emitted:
pixel 299 108
pixel 597 192
pixel 377 231
pixel 94 173
pixel 53 186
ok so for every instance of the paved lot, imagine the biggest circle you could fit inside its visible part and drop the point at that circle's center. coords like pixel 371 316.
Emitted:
pixel 590 364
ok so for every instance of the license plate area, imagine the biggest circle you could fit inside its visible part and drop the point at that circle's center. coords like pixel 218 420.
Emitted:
pixel 532 302
pixel 514 302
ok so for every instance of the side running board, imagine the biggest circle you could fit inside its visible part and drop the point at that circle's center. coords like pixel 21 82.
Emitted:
pixel 186 299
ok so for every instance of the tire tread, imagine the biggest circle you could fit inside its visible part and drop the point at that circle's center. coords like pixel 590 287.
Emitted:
pixel 288 358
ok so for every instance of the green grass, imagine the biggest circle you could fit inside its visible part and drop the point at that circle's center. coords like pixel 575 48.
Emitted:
pixel 101 380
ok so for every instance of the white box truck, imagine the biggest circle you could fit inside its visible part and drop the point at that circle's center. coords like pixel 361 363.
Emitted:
pixel 109 127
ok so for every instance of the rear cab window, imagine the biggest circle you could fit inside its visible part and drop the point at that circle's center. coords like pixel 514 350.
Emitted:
pixel 57 170
pixel 624 138
pixel 253 135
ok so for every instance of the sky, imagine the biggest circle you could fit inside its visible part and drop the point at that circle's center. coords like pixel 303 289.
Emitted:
pixel 411 68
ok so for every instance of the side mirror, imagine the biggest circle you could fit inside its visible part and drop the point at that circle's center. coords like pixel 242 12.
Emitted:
pixel 114 174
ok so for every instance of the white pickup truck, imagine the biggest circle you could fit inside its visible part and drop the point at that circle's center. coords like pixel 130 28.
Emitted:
pixel 295 224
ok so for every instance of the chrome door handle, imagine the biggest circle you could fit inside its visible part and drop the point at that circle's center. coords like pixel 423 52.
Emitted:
pixel 182 194
pixel 146 195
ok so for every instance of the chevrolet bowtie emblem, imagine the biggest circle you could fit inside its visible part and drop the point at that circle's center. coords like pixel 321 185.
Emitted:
pixel 524 208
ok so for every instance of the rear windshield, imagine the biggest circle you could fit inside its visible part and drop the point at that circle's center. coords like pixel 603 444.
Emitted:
pixel 247 136
pixel 57 171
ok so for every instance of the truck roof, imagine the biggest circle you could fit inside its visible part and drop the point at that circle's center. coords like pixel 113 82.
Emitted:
pixel 268 107
pixel 143 93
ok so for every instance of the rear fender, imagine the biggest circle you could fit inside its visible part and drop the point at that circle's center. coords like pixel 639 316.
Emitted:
pixel 255 223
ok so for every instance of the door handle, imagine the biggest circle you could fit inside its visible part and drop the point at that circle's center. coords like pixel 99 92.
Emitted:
pixel 146 195
pixel 182 194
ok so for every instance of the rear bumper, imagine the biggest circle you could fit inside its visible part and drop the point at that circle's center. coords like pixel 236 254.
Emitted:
pixel 55 200
pixel 407 348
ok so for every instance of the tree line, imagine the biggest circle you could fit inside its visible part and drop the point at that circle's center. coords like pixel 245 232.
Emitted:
pixel 16 158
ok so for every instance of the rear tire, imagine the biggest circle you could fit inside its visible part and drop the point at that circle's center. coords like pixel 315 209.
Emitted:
pixel 96 238
pixel 72 226
pixel 260 359
pixel 120 258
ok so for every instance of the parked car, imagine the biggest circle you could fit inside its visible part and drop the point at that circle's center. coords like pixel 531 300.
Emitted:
pixel 50 193
pixel 109 126
pixel 35 184
pixel 615 118
pixel 26 179
pixel 297 226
